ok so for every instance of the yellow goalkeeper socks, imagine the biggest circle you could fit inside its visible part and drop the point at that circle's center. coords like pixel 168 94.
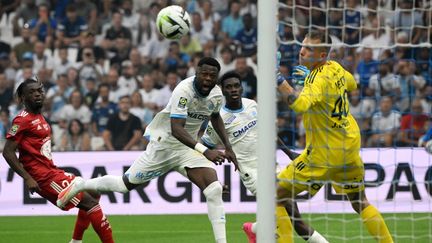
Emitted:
pixel 284 226
pixel 375 224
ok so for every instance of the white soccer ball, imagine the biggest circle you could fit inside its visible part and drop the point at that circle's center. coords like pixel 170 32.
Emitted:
pixel 173 22
pixel 428 146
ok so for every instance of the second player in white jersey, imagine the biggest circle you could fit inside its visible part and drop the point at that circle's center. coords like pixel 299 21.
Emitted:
pixel 242 131
pixel 239 116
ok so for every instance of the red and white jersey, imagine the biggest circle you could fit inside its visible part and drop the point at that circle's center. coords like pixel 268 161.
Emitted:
pixel 33 135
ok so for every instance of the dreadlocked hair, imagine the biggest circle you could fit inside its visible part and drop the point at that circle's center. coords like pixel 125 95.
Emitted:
pixel 20 90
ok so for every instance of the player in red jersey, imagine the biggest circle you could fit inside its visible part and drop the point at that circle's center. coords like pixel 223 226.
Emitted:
pixel 31 135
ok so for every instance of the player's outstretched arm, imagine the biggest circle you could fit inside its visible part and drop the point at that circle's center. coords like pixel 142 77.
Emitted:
pixel 219 127
pixel 11 158
pixel 178 131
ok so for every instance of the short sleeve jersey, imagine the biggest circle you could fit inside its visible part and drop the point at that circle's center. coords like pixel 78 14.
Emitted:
pixel 33 135
pixel 185 103
pixel 324 104
pixel 241 128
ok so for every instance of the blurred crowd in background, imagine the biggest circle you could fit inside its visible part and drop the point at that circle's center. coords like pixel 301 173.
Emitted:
pixel 107 71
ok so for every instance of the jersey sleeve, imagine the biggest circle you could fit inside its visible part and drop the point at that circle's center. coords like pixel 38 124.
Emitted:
pixel 17 130
pixel 179 104
pixel 351 84
pixel 210 137
pixel 217 106
pixel 310 95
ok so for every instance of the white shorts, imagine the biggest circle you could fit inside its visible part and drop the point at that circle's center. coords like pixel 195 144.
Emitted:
pixel 158 160
pixel 248 175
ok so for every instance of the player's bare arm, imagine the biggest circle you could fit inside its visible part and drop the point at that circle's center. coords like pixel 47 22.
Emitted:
pixel 288 92
pixel 178 131
pixel 11 158
pixel 219 127
pixel 291 154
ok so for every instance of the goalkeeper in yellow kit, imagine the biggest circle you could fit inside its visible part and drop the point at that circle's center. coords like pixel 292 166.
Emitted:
pixel 332 135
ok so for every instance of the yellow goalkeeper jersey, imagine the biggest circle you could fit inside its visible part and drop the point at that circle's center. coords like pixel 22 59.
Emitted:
pixel 331 131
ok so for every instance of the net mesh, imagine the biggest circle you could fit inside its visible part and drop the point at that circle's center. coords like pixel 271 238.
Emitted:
pixel 386 46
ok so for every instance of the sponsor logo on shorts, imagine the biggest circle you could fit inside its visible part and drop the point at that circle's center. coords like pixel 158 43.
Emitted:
pixel 182 102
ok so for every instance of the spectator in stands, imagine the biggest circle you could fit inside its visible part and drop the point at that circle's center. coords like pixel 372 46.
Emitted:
pixel 76 138
pixel 248 7
pixel 190 45
pixel 424 63
pixel 149 95
pixel 385 82
pixel 210 19
pixel 156 49
pixel 62 64
pixel 24 46
pixel 130 18
pixel 115 31
pixel 413 125
pixel 123 130
pixel 70 28
pixel 403 50
pixel 377 40
pixel 411 84
pixel 116 91
pixel 139 110
pixel 88 41
pixel 226 60
pixel 232 23
pixel 175 58
pixel 137 62
pixel 26 71
pixel 88 68
pixel 87 10
pixel 41 59
pixel 406 20
pixel 198 32
pixel 103 109
pixel 43 27
pixel 171 81
pixel 73 78
pixel 366 68
pixel 6 91
pixel 7 7
pixel 5 125
pixel 57 96
pixel 90 92
pixel 352 23
pixel 248 78
pixel 385 125
pixel 246 38
pixel 128 80
pixel 27 11
pixel 362 110
pixel 76 109
pixel 6 67
pixel 120 52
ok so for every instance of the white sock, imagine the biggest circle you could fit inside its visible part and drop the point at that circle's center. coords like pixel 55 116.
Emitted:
pixel 254 227
pixel 316 237
pixel 216 212
pixel 106 183
pixel 75 241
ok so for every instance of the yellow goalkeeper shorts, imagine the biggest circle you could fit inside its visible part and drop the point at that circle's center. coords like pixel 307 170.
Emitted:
pixel 304 175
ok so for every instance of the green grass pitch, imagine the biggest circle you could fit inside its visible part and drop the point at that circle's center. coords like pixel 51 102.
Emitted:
pixel 410 227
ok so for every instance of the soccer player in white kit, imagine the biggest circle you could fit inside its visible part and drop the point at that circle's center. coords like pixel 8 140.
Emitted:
pixel 172 145
pixel 240 118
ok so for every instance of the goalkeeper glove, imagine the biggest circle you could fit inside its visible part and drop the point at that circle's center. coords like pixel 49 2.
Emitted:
pixel 299 74
pixel 279 77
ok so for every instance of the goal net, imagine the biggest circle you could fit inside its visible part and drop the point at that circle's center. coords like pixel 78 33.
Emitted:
pixel 386 45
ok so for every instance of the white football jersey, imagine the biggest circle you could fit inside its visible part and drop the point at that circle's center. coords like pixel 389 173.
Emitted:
pixel 187 103
pixel 242 131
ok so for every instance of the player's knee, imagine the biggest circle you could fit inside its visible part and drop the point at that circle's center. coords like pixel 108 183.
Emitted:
pixel 88 202
pixel 213 192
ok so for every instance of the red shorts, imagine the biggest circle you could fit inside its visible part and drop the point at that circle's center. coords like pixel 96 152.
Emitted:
pixel 58 180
